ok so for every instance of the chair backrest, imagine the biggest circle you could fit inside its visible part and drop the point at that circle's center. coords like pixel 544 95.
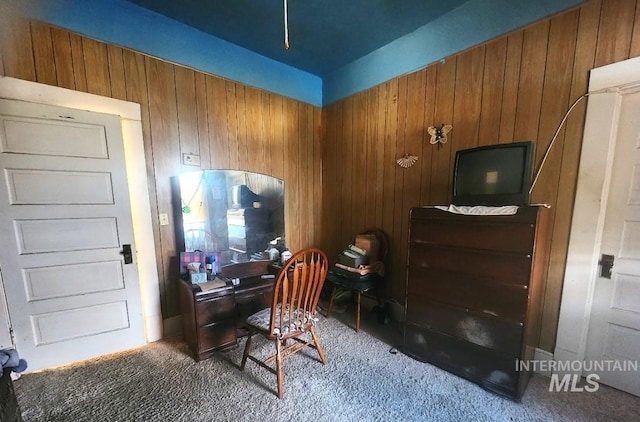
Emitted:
pixel 297 290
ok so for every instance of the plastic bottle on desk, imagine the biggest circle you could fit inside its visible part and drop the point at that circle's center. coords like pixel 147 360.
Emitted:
pixel 216 264
pixel 210 263
pixel 286 255
pixel 274 254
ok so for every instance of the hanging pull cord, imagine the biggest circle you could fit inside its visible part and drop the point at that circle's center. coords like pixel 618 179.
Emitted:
pixel 562 122
pixel 286 26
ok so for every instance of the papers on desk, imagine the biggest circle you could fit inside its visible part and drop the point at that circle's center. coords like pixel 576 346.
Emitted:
pixel 213 284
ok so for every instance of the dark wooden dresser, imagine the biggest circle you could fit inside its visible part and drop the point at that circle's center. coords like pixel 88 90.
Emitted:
pixel 473 293
pixel 213 320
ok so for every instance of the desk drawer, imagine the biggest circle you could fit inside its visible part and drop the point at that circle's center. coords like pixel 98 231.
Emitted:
pixel 211 310
pixel 253 301
pixel 217 335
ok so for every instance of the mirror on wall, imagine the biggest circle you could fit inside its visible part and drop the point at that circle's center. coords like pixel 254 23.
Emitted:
pixel 230 212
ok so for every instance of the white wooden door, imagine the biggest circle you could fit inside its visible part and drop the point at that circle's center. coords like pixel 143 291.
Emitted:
pixel 6 342
pixel 614 331
pixel 64 218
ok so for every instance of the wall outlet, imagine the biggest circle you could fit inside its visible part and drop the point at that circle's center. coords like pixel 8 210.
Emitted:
pixel 164 219
pixel 191 160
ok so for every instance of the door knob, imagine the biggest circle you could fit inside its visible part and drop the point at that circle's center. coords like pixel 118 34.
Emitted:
pixel 606 263
pixel 127 254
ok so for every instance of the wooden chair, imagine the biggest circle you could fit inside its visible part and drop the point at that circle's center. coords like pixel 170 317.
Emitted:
pixel 292 313
pixel 357 283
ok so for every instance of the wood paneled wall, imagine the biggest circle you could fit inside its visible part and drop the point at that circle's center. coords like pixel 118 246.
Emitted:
pixel 231 126
pixel 514 88
pixel 345 179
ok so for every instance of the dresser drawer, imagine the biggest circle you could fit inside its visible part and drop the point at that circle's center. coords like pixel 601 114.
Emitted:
pixel 486 331
pixel 217 335
pixel 490 370
pixel 507 302
pixel 215 309
pixel 499 267
pixel 501 237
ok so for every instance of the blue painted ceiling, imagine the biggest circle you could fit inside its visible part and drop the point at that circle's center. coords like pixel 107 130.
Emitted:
pixel 324 35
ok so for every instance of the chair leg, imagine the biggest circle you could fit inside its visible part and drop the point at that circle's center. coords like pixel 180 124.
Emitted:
pixel 317 344
pixel 333 295
pixel 358 312
pixel 246 351
pixel 279 368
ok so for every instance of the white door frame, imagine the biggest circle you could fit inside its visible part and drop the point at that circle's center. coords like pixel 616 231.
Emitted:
pixel 598 147
pixel 130 118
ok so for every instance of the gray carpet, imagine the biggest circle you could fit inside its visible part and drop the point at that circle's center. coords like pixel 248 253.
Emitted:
pixel 362 381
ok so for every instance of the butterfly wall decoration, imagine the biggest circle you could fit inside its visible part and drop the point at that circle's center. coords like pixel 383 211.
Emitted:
pixel 439 134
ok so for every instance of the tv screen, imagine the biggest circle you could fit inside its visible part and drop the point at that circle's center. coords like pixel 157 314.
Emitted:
pixel 493 175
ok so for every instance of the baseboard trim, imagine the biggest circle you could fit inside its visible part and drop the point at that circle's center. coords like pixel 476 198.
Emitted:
pixel 540 356
pixel 172 327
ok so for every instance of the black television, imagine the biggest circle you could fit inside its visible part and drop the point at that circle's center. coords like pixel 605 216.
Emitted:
pixel 493 175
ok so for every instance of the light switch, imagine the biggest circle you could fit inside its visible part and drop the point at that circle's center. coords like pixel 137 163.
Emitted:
pixel 164 219
pixel 191 160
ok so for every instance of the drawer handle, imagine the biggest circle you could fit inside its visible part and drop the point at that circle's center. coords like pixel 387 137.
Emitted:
pixel 486 311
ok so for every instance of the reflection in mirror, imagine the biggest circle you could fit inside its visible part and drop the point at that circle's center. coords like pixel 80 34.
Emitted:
pixel 232 213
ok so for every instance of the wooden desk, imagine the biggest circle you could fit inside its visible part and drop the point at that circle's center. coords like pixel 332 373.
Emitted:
pixel 213 320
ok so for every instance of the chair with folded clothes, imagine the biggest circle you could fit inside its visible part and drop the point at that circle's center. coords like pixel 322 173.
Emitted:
pixel 292 315
pixel 361 278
